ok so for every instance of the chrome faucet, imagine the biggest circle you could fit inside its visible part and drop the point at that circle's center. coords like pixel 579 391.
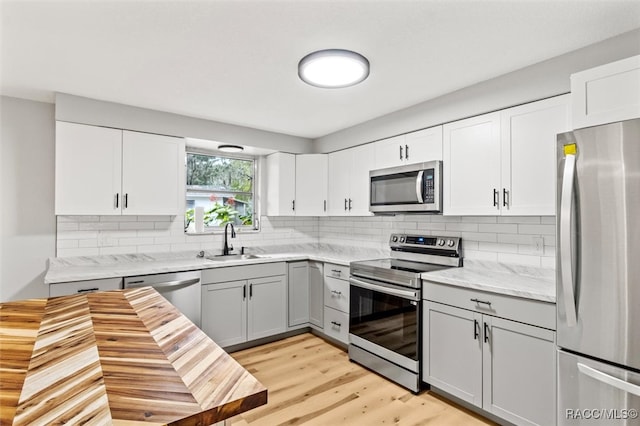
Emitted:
pixel 227 249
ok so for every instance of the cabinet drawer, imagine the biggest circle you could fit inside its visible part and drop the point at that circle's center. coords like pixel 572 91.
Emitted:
pixel 529 311
pixel 336 294
pixel 336 324
pixel 336 271
pixel 243 272
pixel 79 287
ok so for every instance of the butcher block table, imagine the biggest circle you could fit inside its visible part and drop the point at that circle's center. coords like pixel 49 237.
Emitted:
pixel 118 357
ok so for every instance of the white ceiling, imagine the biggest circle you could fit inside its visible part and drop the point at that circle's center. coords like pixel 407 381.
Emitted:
pixel 236 61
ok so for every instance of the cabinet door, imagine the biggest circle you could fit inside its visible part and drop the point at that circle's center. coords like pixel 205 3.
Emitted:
pixel 529 156
pixel 298 283
pixel 281 184
pixel 389 152
pixel 311 185
pixel 361 162
pixel 316 294
pixel 152 174
pixel 88 170
pixel 423 145
pixel 452 351
pixel 224 312
pixel 471 163
pixel 267 307
pixel 519 371
pixel 339 177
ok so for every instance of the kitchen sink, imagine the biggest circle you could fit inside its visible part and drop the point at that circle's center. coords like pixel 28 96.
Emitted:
pixel 229 257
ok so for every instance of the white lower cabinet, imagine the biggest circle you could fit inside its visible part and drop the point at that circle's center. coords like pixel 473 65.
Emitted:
pixel 505 367
pixel 244 303
pixel 336 302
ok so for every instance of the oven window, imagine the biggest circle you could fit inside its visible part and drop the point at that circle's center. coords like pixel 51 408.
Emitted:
pixel 399 188
pixel 386 320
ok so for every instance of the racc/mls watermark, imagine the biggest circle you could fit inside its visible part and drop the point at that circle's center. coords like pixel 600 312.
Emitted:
pixel 601 413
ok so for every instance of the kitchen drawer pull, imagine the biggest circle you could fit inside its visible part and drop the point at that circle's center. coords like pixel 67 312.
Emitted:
pixel 336 271
pixel 88 290
pixel 336 292
pixel 337 324
pixel 484 302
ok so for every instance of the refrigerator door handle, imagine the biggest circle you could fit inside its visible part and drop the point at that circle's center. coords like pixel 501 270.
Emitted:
pixel 566 252
pixel 609 380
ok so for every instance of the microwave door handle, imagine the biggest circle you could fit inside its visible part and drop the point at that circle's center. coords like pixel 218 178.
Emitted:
pixel 419 186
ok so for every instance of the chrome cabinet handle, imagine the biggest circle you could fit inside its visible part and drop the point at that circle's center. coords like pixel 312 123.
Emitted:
pixel 566 251
pixel 609 380
pixel 481 301
pixel 406 152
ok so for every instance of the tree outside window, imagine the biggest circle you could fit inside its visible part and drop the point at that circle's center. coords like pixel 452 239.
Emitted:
pixel 224 187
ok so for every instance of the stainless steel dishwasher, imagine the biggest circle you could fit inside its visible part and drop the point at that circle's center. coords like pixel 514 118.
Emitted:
pixel 181 289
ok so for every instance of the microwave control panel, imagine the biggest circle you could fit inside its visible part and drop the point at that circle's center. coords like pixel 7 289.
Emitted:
pixel 429 192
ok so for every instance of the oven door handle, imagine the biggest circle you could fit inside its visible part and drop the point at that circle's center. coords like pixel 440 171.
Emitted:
pixel 405 294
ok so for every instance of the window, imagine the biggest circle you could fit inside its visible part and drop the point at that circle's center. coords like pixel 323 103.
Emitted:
pixel 224 187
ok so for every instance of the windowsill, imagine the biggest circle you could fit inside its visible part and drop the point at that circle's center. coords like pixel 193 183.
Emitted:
pixel 221 232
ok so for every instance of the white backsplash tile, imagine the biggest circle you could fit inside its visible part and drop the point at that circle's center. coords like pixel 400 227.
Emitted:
pixel 504 239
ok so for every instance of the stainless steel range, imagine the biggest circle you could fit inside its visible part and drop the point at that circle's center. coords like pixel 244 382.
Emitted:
pixel 385 298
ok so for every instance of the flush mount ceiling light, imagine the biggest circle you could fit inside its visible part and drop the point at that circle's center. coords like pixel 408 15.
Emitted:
pixel 333 68
pixel 230 148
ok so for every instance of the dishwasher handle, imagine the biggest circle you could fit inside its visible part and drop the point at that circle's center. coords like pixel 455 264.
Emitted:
pixel 177 283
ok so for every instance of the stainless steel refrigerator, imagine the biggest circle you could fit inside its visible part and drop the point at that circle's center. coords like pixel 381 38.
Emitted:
pixel 598 275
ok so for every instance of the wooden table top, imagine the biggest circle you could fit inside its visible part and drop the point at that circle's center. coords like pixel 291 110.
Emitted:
pixel 117 357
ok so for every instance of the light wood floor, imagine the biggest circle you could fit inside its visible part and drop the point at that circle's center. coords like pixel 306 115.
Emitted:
pixel 313 382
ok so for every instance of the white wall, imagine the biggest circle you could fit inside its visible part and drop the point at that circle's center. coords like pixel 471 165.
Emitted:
pixel 77 109
pixel 538 81
pixel 27 222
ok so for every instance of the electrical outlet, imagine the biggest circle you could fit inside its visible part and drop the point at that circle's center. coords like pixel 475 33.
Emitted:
pixel 538 243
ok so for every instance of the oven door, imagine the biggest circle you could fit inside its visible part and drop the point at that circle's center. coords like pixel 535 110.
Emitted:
pixel 384 319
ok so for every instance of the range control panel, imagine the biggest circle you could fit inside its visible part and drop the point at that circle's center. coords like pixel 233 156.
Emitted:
pixel 400 241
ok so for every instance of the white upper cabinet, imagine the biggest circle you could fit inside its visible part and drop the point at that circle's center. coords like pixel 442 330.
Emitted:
pixel 529 134
pixel 349 181
pixel 311 185
pixel 606 94
pixel 471 164
pixel 503 163
pixel 103 171
pixel 415 147
pixel 152 174
pixel 281 184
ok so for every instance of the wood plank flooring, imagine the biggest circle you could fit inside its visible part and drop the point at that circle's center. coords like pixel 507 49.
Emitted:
pixel 312 382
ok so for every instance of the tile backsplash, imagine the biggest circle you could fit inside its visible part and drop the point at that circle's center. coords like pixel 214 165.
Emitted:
pixel 526 240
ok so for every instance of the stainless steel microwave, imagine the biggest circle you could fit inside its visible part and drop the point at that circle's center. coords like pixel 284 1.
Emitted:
pixel 414 188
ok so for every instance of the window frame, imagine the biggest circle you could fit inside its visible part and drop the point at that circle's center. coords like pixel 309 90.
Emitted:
pixel 209 230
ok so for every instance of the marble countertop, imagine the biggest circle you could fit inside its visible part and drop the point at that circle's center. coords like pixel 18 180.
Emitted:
pixel 69 269
pixel 514 280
